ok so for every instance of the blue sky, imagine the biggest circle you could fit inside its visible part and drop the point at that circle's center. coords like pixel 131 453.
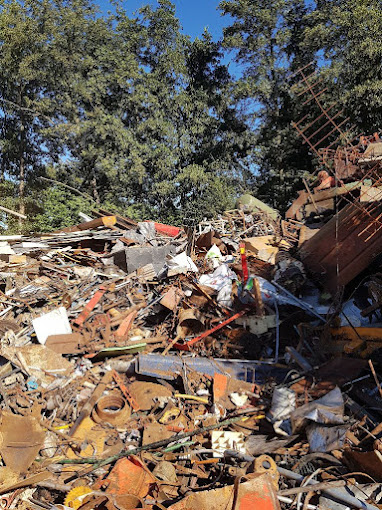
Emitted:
pixel 194 15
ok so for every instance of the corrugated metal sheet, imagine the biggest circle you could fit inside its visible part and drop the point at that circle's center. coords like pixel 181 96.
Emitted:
pixel 345 246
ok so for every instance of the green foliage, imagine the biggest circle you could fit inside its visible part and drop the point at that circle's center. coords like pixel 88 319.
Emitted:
pixel 171 133
pixel 25 30
pixel 267 40
pixel 349 34
pixel 272 40
pixel 150 123
pixel 48 208
pixel 56 208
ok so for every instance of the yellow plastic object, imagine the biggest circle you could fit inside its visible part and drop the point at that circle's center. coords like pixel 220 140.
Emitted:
pixel 169 415
pixel 63 427
pixel 203 400
pixel 74 498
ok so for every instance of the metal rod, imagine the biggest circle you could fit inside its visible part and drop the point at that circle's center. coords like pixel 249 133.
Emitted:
pixel 301 304
pixel 311 86
pixel 336 127
pixel 152 446
pixel 310 194
pixel 289 501
pixel 320 486
pixel 324 125
pixel 336 494
pixel 375 377
pixel 315 96
pixel 301 69
pixel 317 118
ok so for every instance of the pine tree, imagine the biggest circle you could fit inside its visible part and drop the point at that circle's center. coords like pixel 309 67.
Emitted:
pixel 268 40
pixel 25 36
pixel 348 37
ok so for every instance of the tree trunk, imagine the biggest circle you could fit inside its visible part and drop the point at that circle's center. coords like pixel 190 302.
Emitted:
pixel 21 175
pixel 21 188
pixel 95 190
pixel 21 162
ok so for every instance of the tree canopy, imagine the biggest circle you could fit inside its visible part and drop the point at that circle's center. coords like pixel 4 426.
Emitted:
pixel 143 119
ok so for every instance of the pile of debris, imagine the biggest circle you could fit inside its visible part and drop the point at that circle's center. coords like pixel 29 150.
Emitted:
pixel 143 366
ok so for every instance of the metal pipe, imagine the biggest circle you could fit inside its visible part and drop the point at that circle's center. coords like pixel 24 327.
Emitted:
pixel 301 304
pixel 335 494
pixel 289 501
pixel 277 348
pixel 317 487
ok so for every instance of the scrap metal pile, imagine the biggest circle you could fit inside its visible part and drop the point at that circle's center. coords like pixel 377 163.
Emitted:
pixel 142 366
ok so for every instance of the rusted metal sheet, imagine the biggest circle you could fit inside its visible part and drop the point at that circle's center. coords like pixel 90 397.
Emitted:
pixel 257 493
pixel 294 211
pixel 21 439
pixel 320 207
pixel 345 246
pixel 122 222
pixel 89 307
pixel 103 221
pixel 303 205
pixel 129 476
pixel 65 344
pixel 369 462
pixel 357 340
